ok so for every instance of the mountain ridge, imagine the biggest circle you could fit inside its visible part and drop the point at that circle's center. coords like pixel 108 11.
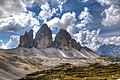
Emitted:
pixel 109 50
pixel 63 42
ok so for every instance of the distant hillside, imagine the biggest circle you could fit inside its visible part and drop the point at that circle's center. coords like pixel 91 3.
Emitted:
pixel 109 50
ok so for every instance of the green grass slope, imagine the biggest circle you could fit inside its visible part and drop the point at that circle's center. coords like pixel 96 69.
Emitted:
pixel 69 72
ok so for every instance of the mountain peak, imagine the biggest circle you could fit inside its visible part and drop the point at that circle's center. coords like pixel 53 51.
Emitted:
pixel 62 40
pixel 44 26
pixel 26 40
pixel 43 37
pixel 63 34
pixel 43 40
pixel 63 30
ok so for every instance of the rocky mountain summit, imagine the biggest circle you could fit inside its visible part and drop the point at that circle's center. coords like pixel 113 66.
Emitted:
pixel 62 40
pixel 62 47
pixel 26 40
pixel 43 39
pixel 42 52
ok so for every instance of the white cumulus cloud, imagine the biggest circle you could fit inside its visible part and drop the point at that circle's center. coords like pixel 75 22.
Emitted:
pixel 84 1
pixel 46 11
pixel 67 22
pixel 85 18
pixel 88 38
pixel 12 43
pixel 112 16
pixel 93 40
pixel 112 13
pixel 13 7
pixel 112 40
pixel 18 22
pixel 10 7
pixel 54 3
pixel 108 2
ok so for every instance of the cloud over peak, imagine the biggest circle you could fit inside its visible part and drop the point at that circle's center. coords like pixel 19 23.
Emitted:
pixel 67 21
pixel 76 16
pixel 89 38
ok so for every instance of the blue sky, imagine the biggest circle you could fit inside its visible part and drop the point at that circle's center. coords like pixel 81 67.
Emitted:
pixel 91 22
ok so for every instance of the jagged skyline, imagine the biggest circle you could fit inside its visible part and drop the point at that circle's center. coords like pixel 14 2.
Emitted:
pixel 92 23
pixel 44 39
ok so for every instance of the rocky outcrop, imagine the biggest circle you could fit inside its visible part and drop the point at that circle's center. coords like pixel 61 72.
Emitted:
pixel 75 45
pixel 43 45
pixel 26 40
pixel 43 37
pixel 62 40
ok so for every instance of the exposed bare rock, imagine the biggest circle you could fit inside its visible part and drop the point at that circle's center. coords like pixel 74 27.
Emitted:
pixel 43 37
pixel 26 40
pixel 62 40
pixel 16 63
pixel 62 46
pixel 75 45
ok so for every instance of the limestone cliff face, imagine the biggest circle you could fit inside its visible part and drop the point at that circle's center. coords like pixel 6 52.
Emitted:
pixel 43 37
pixel 75 45
pixel 45 47
pixel 26 40
pixel 62 40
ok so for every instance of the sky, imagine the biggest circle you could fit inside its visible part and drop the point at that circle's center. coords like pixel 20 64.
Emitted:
pixel 91 22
